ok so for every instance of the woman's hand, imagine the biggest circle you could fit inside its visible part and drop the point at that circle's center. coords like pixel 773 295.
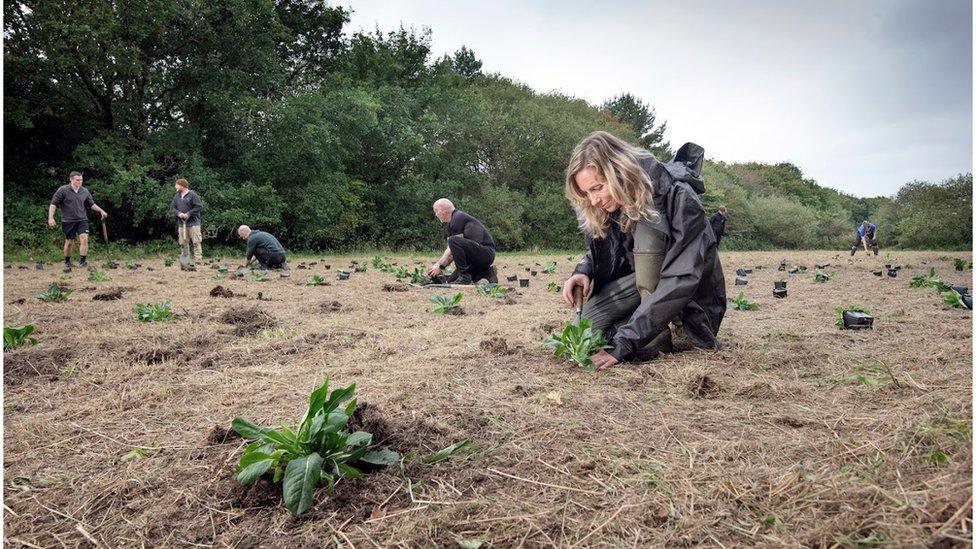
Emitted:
pixel 603 360
pixel 572 282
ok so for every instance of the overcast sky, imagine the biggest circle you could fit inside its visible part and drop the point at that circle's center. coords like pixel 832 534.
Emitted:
pixel 863 96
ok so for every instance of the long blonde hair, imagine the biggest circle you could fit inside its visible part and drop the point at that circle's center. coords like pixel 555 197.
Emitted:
pixel 618 164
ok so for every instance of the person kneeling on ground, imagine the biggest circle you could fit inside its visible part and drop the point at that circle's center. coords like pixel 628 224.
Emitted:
pixel 867 235
pixel 264 247
pixel 653 257
pixel 469 246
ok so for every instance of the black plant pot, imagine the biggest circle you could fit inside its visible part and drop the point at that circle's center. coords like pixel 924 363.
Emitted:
pixel 524 282
pixel 779 293
pixel 887 265
pixel 781 268
pixel 892 273
pixel 959 268
pixel 793 270
pixel 779 285
pixel 343 276
pixel 739 281
pixel 967 300
pixel 748 271
pixel 534 273
pixel 511 278
pixel 741 272
pixel 854 320
pixel 328 267
pixel 39 266
pixel 877 273
pixel 959 289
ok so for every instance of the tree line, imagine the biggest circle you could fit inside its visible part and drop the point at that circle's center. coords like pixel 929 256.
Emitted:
pixel 281 121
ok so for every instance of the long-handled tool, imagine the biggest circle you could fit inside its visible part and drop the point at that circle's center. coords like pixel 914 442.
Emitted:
pixel 578 302
pixel 104 231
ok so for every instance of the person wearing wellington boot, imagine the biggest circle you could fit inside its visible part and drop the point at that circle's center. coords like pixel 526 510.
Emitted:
pixel 653 257
pixel 469 246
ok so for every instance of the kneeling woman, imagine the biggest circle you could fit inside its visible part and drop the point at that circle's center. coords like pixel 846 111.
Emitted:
pixel 652 256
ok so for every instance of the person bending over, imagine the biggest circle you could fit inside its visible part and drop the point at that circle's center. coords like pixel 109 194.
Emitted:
pixel 652 257
pixel 263 247
pixel 469 246
pixel 867 235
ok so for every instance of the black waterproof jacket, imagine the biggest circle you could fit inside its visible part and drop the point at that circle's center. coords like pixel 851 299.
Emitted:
pixel 692 285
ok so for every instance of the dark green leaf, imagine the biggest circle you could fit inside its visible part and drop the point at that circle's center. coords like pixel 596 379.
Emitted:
pixel 301 478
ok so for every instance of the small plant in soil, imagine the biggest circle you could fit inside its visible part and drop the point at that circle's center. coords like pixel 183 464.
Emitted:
pixel 953 299
pixel 444 304
pixel 492 290
pixel 740 303
pixel 97 276
pixel 316 280
pixel 822 276
pixel 17 336
pixel 550 268
pixel 131 265
pixel 111 264
pixel 839 321
pixel 401 272
pixel 419 276
pixel 577 342
pixel 929 281
pixel 54 293
pixel 959 264
pixel 553 287
pixel 320 449
pixel 159 312
pixel 259 276
pixel 360 267
pixel 169 261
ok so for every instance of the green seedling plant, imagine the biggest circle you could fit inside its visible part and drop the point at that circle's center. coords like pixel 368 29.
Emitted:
pixel 54 293
pixel 959 264
pixel 97 276
pixel 169 261
pixel 553 287
pixel 360 267
pixel 740 303
pixel 259 276
pixel 316 280
pixel 401 272
pixel 419 276
pixel 320 449
pixel 15 337
pixel 443 304
pixel 492 290
pixel 131 265
pixel 550 268
pixel 953 299
pixel 929 281
pixel 578 342
pixel 159 312
pixel 822 276
pixel 839 320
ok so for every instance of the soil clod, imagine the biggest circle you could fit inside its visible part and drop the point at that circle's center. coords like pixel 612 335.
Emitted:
pixel 703 386
pixel 220 291
pixel 395 287
pixel 496 345
pixel 108 296
pixel 248 321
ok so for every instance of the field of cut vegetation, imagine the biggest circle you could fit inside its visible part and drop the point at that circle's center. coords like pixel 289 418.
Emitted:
pixel 117 432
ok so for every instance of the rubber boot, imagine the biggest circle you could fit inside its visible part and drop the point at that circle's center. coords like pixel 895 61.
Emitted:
pixel 649 252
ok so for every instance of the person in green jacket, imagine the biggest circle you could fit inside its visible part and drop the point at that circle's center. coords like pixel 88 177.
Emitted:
pixel 263 247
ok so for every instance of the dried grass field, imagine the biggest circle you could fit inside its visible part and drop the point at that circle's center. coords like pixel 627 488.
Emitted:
pixel 795 433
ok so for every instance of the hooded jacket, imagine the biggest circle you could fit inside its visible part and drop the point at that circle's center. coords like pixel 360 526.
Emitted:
pixel 692 285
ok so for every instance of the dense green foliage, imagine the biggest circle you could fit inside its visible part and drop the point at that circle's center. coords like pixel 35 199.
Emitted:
pixel 18 336
pixel 280 121
pixel 320 449
pixel 158 312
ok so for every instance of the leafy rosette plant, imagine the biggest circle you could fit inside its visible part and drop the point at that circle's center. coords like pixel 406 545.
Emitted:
pixel 577 342
pixel 319 450
pixel 444 304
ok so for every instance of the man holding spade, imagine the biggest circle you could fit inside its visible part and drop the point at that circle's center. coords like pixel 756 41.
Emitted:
pixel 187 207
pixel 72 199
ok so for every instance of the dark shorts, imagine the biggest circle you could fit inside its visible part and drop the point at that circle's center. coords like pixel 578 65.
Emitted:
pixel 71 229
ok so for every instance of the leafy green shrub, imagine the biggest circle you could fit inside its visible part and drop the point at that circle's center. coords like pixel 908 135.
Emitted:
pixel 54 293
pixel 740 303
pixel 320 449
pixel 443 304
pixel 839 321
pixel 316 280
pixel 578 342
pixel 97 276
pixel 147 312
pixel 15 337
pixel 492 290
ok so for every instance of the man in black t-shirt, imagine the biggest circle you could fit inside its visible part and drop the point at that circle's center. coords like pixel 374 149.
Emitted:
pixel 73 199
pixel 469 246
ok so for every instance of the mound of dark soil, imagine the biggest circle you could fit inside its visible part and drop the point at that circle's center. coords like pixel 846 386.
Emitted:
pixel 248 321
pixel 220 291
pixel 19 301
pixel 702 386
pixel 33 363
pixel 111 295
pixel 496 346
pixel 158 356
pixel 330 307
pixel 395 287
pixel 221 435
pixel 455 311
